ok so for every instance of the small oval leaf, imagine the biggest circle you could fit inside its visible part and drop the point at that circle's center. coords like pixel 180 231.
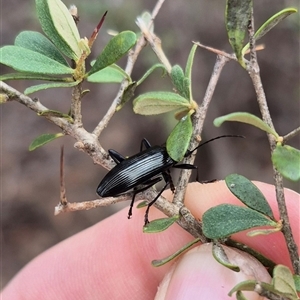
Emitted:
pixel 179 139
pixel 154 103
pixel 248 193
pixel 59 26
pixel 118 46
pixel 224 220
pixel 44 139
pixel 18 58
pixel 246 118
pixel 37 42
pixel 237 18
pixel 159 225
pixel 286 160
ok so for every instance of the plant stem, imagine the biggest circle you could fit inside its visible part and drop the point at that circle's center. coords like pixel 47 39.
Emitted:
pixel 198 122
pixel 76 105
pixel 254 72
pixel 290 135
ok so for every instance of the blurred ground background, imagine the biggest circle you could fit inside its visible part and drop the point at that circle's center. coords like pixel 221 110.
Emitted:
pixel 30 180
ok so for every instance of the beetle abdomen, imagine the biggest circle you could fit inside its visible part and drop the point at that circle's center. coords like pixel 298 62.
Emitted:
pixel 134 171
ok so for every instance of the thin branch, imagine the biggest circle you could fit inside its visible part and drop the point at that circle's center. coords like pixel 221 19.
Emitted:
pixel 254 72
pixel 86 141
pixel 76 105
pixel 291 135
pixel 216 51
pixel 286 228
pixel 223 53
pixel 190 224
pixel 155 44
pixel 87 205
pixel 156 9
pixel 132 58
pixel 198 122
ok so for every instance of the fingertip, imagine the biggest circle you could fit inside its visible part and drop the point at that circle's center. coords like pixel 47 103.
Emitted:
pixel 199 276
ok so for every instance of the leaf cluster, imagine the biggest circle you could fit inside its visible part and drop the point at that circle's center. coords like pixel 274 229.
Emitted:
pixel 50 57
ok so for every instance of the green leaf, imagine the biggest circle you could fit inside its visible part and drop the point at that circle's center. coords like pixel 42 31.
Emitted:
pixel 56 113
pixel 283 281
pixel 224 220
pixel 142 204
pixel 31 76
pixel 246 118
pixel 154 103
pixel 238 13
pixel 297 282
pixel 110 74
pixel 44 139
pixel 286 160
pixel 18 58
pixel 189 63
pixel 247 285
pixel 150 71
pixel 181 83
pixel 188 68
pixel 261 231
pixel 220 256
pixel 240 296
pixel 44 86
pixel 37 42
pixel 59 26
pixel 248 193
pixel 159 225
pixel 160 262
pixel 118 46
pixel 179 139
pixel 270 23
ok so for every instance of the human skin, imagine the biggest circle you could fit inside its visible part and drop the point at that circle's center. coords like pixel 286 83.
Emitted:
pixel 112 259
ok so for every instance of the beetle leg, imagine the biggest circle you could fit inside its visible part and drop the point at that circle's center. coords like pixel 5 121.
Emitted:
pixel 116 156
pixel 168 178
pixel 149 183
pixel 188 167
pixel 152 202
pixel 145 143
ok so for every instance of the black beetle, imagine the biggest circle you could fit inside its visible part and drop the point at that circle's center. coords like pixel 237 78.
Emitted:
pixel 141 171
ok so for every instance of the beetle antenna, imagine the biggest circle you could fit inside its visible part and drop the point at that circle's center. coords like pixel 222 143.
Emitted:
pixel 189 152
